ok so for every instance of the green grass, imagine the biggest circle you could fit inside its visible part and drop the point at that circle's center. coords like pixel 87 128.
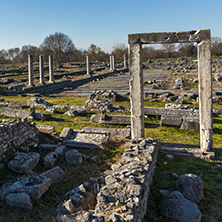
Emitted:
pixel 210 207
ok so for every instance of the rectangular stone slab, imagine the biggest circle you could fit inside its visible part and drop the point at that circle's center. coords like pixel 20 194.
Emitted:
pixel 169 37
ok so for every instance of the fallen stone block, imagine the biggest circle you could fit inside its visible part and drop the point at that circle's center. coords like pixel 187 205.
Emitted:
pixel 171 121
pixel 177 208
pixel 114 133
pixel 21 200
pixel 73 157
pixel 50 160
pixel 45 127
pixel 35 187
pixel 22 162
pixel 191 186
pixel 56 174
pixel 84 138
pixel 60 151
pixel 42 116
pixel 190 123
pixel 114 119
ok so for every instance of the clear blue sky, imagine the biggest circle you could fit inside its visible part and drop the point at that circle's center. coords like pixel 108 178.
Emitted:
pixel 102 22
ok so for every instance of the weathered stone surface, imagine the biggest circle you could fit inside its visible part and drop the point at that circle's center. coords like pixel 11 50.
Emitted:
pixel 16 132
pixel 50 160
pixel 79 110
pixel 22 162
pixel 21 200
pixel 114 119
pixel 60 151
pixel 190 124
pixel 171 121
pixel 84 138
pixel 73 157
pixel 191 186
pixel 177 208
pixel 56 174
pixel 169 37
pixel 33 185
pixel 114 133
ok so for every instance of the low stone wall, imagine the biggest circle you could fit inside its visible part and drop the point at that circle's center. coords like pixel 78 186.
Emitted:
pixel 15 132
pixel 124 193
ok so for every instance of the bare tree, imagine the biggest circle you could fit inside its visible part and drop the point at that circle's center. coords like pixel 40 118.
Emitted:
pixel 13 53
pixel 26 50
pixel 187 50
pixel 3 56
pixel 118 50
pixel 59 45
pixel 216 46
pixel 169 49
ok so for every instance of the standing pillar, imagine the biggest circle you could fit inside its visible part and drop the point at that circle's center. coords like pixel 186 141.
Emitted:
pixel 205 96
pixel 136 91
pixel 51 77
pixel 111 63
pixel 124 60
pixel 30 70
pixel 41 70
pixel 88 65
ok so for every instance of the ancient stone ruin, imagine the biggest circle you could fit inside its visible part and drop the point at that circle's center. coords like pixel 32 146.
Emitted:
pixel 203 38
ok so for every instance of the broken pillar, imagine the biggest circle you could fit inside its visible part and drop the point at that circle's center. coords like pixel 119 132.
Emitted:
pixel 41 70
pixel 30 70
pixel 51 76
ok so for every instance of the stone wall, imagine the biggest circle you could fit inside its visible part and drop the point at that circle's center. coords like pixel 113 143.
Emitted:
pixel 122 193
pixel 15 132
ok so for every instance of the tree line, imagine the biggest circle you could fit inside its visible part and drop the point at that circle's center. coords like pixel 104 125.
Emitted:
pixel 62 48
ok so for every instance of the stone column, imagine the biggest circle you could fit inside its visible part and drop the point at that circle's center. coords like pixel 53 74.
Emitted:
pixel 205 96
pixel 136 91
pixel 51 77
pixel 111 63
pixel 124 61
pixel 30 70
pixel 88 65
pixel 41 70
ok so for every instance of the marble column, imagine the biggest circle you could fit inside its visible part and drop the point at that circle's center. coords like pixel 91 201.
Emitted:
pixel 51 76
pixel 41 70
pixel 30 71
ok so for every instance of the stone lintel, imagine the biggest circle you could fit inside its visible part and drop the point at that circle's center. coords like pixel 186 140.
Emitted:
pixel 170 37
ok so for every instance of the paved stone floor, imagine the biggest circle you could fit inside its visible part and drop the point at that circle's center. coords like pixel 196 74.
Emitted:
pixel 118 83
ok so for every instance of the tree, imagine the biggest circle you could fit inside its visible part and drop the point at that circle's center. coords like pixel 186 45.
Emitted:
pixel 3 56
pixel 59 46
pixel 28 50
pixel 169 49
pixel 94 52
pixel 216 46
pixel 187 50
pixel 119 49
pixel 12 54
